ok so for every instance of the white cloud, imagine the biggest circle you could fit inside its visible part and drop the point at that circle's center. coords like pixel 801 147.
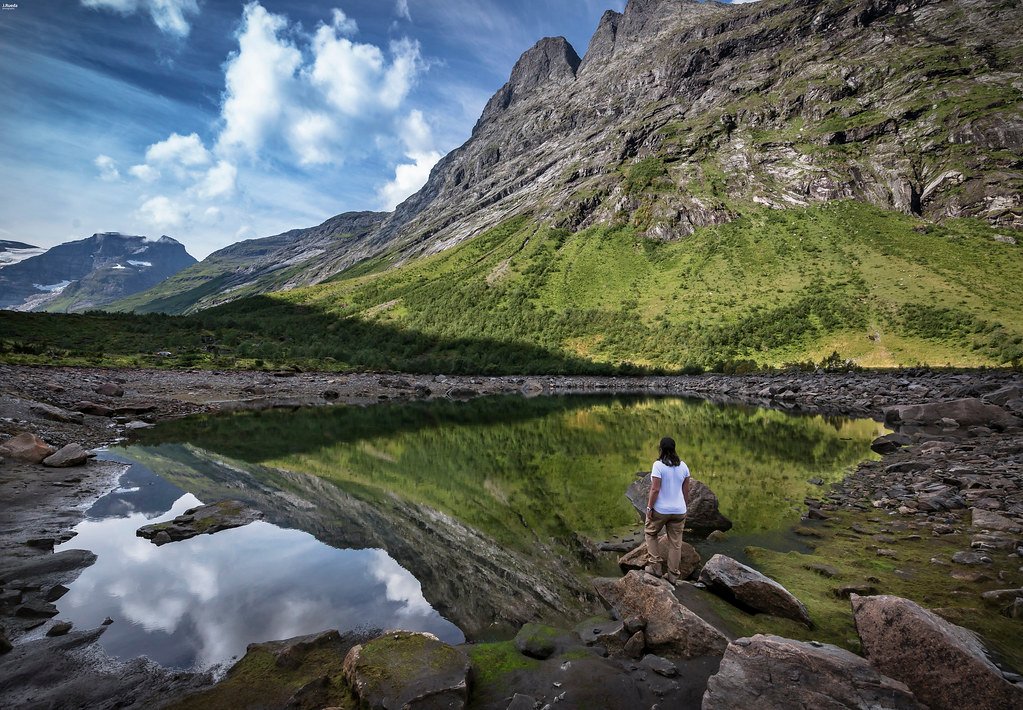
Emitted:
pixel 311 136
pixel 356 77
pixel 161 213
pixel 187 151
pixel 409 177
pixel 107 167
pixel 145 173
pixel 258 80
pixel 401 9
pixel 170 16
pixel 219 181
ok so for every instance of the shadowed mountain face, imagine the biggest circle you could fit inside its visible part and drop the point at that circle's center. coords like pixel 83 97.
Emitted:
pixel 684 114
pixel 90 273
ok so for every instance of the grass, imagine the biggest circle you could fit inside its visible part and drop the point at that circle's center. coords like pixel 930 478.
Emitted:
pixel 911 574
pixel 770 288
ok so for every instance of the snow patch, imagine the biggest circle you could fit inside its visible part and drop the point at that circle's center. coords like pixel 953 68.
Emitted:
pixel 139 263
pixel 118 267
pixel 53 288
pixel 13 256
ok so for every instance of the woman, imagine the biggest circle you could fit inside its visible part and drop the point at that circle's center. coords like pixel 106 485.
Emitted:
pixel 666 508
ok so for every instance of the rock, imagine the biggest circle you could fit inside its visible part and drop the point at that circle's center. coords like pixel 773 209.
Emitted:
pixel 889 443
pixel 749 588
pixel 965 412
pixel 60 628
pixel 635 645
pixel 204 520
pixel 1001 596
pixel 671 627
pixel 34 609
pixel 67 456
pixel 637 559
pixel 5 644
pixel 993 521
pixel 634 624
pixel 522 702
pixel 96 410
pixel 660 666
pixel 41 543
pixel 822 569
pixel 56 414
pixel 289 653
pixel 537 640
pixel 138 424
pixel 716 536
pixel 26 447
pixel 994 541
pixel 55 592
pixel 847 590
pixel 1004 395
pixel 703 516
pixel 943 664
pixel 774 672
pixel 107 621
pixel 110 389
pixel 969 557
pixel 330 395
pixel 403 669
pixel 58 562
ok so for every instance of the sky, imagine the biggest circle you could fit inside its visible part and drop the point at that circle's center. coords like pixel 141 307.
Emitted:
pixel 213 121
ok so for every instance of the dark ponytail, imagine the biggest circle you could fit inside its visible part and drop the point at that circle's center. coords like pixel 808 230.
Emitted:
pixel 668 456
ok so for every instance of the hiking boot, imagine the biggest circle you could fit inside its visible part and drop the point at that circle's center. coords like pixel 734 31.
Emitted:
pixel 651 569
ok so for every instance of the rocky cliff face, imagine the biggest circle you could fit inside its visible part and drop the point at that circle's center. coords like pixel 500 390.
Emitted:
pixel 684 114
pixel 91 272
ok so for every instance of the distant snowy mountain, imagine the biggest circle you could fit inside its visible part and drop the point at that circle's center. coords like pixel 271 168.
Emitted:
pixel 88 273
pixel 13 252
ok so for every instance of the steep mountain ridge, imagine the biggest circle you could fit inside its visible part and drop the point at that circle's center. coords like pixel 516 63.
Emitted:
pixel 685 114
pixel 294 258
pixel 91 272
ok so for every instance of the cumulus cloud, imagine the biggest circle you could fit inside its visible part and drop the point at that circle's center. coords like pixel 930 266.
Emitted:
pixel 170 16
pixel 145 173
pixel 162 213
pixel 219 181
pixel 187 151
pixel 258 79
pixel 409 177
pixel 107 167
pixel 272 96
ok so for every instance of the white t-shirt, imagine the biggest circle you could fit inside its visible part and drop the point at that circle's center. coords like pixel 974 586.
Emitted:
pixel 670 500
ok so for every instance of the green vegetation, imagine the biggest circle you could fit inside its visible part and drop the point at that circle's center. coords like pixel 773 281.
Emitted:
pixel 257 680
pixel 531 470
pixel 911 575
pixel 770 288
pixel 493 662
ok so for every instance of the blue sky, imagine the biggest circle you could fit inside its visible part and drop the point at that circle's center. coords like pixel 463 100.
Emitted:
pixel 218 120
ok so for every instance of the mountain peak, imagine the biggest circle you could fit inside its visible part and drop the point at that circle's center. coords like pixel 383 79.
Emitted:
pixel 650 17
pixel 552 60
pixel 602 44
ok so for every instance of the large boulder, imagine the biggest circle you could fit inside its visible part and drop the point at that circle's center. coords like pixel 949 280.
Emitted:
pixel 703 517
pixel 638 557
pixel 748 588
pixel 1003 396
pixel 70 455
pixel 966 413
pixel 774 672
pixel 671 628
pixel 26 447
pixel 204 520
pixel 537 640
pixel 943 664
pixel 987 520
pixel 404 669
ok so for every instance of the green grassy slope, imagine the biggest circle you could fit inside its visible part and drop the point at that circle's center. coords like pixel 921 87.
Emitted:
pixel 770 288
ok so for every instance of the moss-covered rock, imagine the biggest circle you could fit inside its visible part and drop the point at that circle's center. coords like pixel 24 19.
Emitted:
pixel 537 640
pixel 404 669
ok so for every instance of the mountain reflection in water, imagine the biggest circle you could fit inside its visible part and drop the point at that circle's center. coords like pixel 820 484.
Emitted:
pixel 449 517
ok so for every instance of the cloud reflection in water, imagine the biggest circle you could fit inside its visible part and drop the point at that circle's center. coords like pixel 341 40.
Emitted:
pixel 197 603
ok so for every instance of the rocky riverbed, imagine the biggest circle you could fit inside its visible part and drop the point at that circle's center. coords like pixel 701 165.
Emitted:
pixel 942 476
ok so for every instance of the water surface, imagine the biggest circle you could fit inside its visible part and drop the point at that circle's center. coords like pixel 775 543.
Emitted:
pixel 446 517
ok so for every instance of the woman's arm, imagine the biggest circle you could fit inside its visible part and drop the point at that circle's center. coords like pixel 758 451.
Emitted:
pixel 655 488
pixel 685 491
